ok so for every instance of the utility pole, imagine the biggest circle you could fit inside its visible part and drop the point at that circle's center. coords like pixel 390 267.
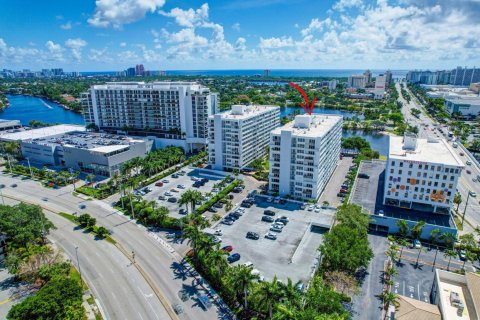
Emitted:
pixel 78 263
pixel 466 204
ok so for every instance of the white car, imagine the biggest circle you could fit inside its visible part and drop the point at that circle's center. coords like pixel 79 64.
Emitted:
pixel 218 232
pixel 248 264
pixel 241 209
pixel 194 179
pixel 181 186
pixel 271 236
pixel 165 181
pixel 168 194
pixel 269 199
pixel 277 200
pixel 469 162
pixel 278 225
pixel 217 240
pixel 317 210
pixel 304 205
pixel 310 208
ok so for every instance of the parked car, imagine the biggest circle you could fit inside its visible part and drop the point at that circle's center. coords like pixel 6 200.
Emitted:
pixel 468 162
pixel 276 228
pixel 212 209
pixel 204 180
pixel 215 190
pixel 343 190
pixel 246 204
pixel 165 181
pixel 267 219
pixel 227 248
pixel 82 206
pixel 236 215
pixel 310 208
pixel 248 264
pixel 230 196
pixel 363 176
pixel 462 154
pixel 181 186
pixel 218 232
pixel 276 200
pixel 234 257
pixel 161 198
pixel 182 211
pixel 271 236
pixel 303 206
pixel 269 213
pixel 231 216
pixel 159 184
pixel 283 220
pixel 197 185
pixel 174 190
pixel 218 205
pixel 171 235
pixel 341 195
pixel 168 194
pixel 269 199
pixel 175 176
pixel 228 222
pixel 472 194
pixel 462 255
pixel 416 244
pixel 252 235
pixel 283 201
pixel 172 200
pixel 469 172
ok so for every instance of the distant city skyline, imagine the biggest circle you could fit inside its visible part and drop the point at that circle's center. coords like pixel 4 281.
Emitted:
pixel 241 34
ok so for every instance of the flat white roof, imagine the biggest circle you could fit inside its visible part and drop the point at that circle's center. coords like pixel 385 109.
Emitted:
pixel 41 132
pixel 161 85
pixel 472 100
pixel 248 112
pixel 320 124
pixel 106 149
pixel 428 150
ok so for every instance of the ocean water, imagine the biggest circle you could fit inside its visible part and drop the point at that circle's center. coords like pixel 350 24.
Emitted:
pixel 331 73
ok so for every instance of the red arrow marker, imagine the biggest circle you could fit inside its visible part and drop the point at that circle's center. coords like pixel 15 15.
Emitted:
pixel 306 106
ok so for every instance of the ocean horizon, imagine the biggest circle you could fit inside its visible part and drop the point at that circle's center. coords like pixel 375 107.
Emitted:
pixel 332 73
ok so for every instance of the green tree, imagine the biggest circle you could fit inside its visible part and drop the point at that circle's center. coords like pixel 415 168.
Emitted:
pixel 457 199
pixel 449 253
pixel 102 232
pixel 390 298
pixel 448 238
pixel 59 299
pixel 242 280
pixel 23 223
pixel 403 227
pixel 417 229
pixel 268 294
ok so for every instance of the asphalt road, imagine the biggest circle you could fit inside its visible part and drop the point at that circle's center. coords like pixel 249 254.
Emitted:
pixel 119 287
pixel 472 215
pixel 160 264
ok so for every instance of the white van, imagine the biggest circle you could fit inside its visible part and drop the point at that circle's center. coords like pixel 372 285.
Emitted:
pixel 455 144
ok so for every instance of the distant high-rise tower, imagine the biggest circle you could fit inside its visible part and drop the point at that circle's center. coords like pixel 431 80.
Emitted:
pixel 266 73
pixel 368 77
pixel 139 70
pixel 388 78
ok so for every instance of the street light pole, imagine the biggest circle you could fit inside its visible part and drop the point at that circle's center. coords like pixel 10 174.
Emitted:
pixel 78 263
pixel 30 168
pixel 1 193
pixel 466 204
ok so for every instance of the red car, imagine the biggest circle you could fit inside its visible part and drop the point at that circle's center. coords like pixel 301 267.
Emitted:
pixel 343 190
pixel 159 184
pixel 227 248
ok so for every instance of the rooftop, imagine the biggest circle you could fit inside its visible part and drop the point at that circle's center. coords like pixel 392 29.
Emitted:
pixel 412 309
pixel 457 295
pixel 98 142
pixel 368 193
pixel 475 100
pixel 240 112
pixel 305 125
pixel 41 132
pixel 427 150
pixel 162 85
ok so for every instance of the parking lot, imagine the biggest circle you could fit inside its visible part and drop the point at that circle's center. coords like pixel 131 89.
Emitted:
pixel 170 187
pixel 293 254
pixel 334 184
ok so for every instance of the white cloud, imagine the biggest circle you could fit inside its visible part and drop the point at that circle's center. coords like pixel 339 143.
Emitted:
pixel 241 44
pixel 127 56
pixel 55 51
pixel 188 18
pixel 66 26
pixel 99 55
pixel 236 26
pixel 115 13
pixel 275 43
pixel 123 44
pixel 341 5
pixel 76 46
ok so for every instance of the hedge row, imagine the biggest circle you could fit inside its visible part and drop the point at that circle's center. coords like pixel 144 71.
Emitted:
pixel 222 194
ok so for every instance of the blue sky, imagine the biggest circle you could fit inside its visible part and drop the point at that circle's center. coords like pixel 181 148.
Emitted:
pixel 87 35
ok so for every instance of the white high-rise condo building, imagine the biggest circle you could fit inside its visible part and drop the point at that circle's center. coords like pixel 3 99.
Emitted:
pixel 380 86
pixel 175 113
pixel 421 174
pixel 358 81
pixel 241 135
pixel 304 154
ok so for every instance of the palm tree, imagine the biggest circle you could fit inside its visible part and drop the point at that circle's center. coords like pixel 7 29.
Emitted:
pixel 402 243
pixel 392 251
pixel 391 272
pixel 291 293
pixel 90 177
pixel 193 234
pixel 448 238
pixel 449 253
pixel 195 197
pixel 217 257
pixel 242 280
pixel 417 229
pixel 390 298
pixel 269 293
pixel 228 206
pixel 402 227
pixel 185 199
pixel 457 199
pixel 433 235
pixel 73 177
